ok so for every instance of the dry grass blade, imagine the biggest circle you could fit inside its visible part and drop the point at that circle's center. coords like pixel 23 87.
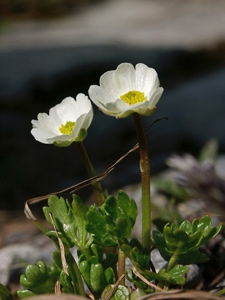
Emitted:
pixel 75 187
pixel 145 280
pixel 181 294
pixel 84 183
pixel 115 286
pixel 61 247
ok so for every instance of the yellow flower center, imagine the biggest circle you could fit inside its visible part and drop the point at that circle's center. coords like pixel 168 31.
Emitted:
pixel 133 97
pixel 67 128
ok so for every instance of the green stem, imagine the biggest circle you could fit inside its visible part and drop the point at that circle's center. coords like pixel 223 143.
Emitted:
pixel 97 188
pixel 75 274
pixel 172 262
pixel 121 265
pixel 145 181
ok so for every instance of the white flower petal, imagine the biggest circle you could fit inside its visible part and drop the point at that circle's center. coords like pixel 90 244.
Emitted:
pixel 126 78
pixel 146 78
pixel 106 80
pixel 117 106
pixel 154 98
pixel 41 135
pixel 49 123
pixel 100 97
pixel 83 105
pixel 63 112
pixel 47 128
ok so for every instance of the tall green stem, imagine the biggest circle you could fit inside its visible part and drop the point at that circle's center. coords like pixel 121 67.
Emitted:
pixel 145 181
pixel 97 188
pixel 75 274
pixel 121 265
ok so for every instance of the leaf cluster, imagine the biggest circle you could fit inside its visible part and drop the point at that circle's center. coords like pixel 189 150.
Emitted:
pixel 111 223
pixel 183 241
pixel 96 231
pixel 38 279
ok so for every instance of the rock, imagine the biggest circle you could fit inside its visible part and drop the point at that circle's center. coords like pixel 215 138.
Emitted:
pixel 14 258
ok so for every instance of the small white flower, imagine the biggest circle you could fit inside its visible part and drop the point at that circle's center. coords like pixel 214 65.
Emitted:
pixel 127 90
pixel 66 123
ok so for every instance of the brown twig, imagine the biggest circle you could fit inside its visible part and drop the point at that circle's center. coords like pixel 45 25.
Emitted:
pixel 146 281
pixel 75 187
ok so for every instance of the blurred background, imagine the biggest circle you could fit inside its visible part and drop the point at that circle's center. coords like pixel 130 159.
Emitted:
pixel 52 49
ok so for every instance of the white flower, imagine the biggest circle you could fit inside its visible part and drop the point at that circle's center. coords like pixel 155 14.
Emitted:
pixel 67 122
pixel 127 90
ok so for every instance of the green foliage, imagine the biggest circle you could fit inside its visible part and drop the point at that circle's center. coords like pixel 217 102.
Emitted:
pixel 4 293
pixel 111 223
pixel 138 255
pixel 70 220
pixel 137 294
pixel 121 293
pixel 182 242
pixel 174 276
pixel 38 279
pixel 92 229
pixel 95 274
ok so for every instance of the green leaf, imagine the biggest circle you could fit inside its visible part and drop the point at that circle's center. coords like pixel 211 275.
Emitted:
pixel 24 294
pixel 85 269
pixel 137 294
pixel 208 232
pixel 122 293
pixel 66 283
pixel 70 220
pixel 38 279
pixel 101 227
pixel 161 243
pixel 110 276
pixel 178 241
pixel 127 206
pixel 123 227
pixel 80 218
pixel 138 255
pixel 111 223
pixel 201 225
pixel 177 274
pixel 186 226
pixel 4 292
pixel 184 241
pixel 192 257
pixel 97 278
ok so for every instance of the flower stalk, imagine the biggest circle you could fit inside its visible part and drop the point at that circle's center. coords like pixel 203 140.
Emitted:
pixel 121 265
pixel 145 181
pixel 97 188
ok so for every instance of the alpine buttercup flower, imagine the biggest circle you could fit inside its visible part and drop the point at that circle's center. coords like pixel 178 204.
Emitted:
pixel 66 123
pixel 127 90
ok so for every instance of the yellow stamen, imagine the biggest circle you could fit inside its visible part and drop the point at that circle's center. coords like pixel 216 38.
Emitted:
pixel 67 128
pixel 133 97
